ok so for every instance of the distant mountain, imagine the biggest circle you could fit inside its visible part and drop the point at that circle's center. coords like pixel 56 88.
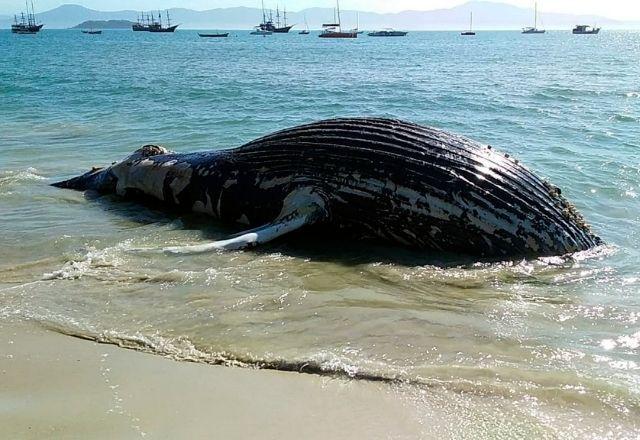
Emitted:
pixel 104 24
pixel 487 15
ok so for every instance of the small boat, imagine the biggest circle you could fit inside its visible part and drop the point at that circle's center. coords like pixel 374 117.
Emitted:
pixel 258 31
pixel 388 33
pixel 357 28
pixel 583 29
pixel 157 26
pixel 534 29
pixel 470 31
pixel 27 25
pixel 216 35
pixel 334 30
pixel 305 31
pixel 91 32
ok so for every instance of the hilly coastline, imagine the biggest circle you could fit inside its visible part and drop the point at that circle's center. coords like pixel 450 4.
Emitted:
pixel 104 24
pixel 487 15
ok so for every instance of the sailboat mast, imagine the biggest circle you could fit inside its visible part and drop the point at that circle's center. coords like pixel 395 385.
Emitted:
pixel 471 21
pixel 339 20
pixel 26 3
pixel 535 20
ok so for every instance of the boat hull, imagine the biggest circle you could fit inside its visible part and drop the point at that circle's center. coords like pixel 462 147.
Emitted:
pixel 338 35
pixel 388 34
pixel 282 30
pixel 163 30
pixel 26 29
pixel 214 35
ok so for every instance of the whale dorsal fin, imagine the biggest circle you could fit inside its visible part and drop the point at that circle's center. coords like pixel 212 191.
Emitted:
pixel 302 207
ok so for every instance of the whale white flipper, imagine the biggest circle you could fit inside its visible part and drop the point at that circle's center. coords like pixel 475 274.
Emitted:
pixel 301 207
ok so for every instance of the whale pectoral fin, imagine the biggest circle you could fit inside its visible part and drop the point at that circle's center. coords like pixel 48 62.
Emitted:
pixel 301 208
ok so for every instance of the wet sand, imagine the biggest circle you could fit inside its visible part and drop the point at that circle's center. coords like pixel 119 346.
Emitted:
pixel 55 386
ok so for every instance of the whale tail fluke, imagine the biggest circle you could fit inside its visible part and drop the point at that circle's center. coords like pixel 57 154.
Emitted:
pixel 302 207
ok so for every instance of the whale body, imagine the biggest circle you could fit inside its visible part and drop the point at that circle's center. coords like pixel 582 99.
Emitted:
pixel 375 178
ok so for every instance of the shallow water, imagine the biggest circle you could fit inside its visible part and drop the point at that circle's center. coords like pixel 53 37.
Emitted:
pixel 532 348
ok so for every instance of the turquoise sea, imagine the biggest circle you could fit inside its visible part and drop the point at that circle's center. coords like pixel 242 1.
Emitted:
pixel 544 348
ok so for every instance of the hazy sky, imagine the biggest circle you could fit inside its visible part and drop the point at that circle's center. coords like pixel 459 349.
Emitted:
pixel 621 9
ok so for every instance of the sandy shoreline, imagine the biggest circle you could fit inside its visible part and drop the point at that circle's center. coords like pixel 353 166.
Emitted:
pixel 55 386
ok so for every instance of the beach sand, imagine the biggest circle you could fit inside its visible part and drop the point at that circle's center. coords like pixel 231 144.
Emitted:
pixel 55 386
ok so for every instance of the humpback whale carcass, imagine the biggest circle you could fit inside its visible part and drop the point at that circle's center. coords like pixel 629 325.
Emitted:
pixel 378 178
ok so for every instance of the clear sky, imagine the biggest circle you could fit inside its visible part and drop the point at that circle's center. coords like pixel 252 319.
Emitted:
pixel 620 9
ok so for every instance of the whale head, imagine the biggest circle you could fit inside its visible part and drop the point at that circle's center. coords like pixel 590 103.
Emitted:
pixel 105 180
pixel 98 179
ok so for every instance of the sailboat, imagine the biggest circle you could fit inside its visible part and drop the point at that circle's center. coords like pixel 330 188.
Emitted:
pixel 27 24
pixel 357 29
pixel 281 29
pixel 470 31
pixel 156 26
pixel 305 31
pixel 534 29
pixel 334 30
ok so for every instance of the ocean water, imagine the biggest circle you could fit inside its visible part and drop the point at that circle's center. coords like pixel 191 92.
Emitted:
pixel 543 348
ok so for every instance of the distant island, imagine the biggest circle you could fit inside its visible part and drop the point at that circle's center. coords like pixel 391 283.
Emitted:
pixel 104 24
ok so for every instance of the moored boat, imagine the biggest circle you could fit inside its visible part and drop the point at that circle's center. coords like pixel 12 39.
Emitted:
pixel 305 31
pixel 534 29
pixel 470 32
pixel 334 30
pixel 158 26
pixel 27 25
pixel 388 33
pixel 91 32
pixel 258 31
pixel 583 29
pixel 268 26
pixel 214 35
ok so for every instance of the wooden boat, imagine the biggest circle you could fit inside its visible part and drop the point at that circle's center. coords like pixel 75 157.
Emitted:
pixel 534 29
pixel 470 31
pixel 217 35
pixel 92 32
pixel 334 30
pixel 269 27
pixel 278 29
pixel 157 26
pixel 583 29
pixel 27 25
